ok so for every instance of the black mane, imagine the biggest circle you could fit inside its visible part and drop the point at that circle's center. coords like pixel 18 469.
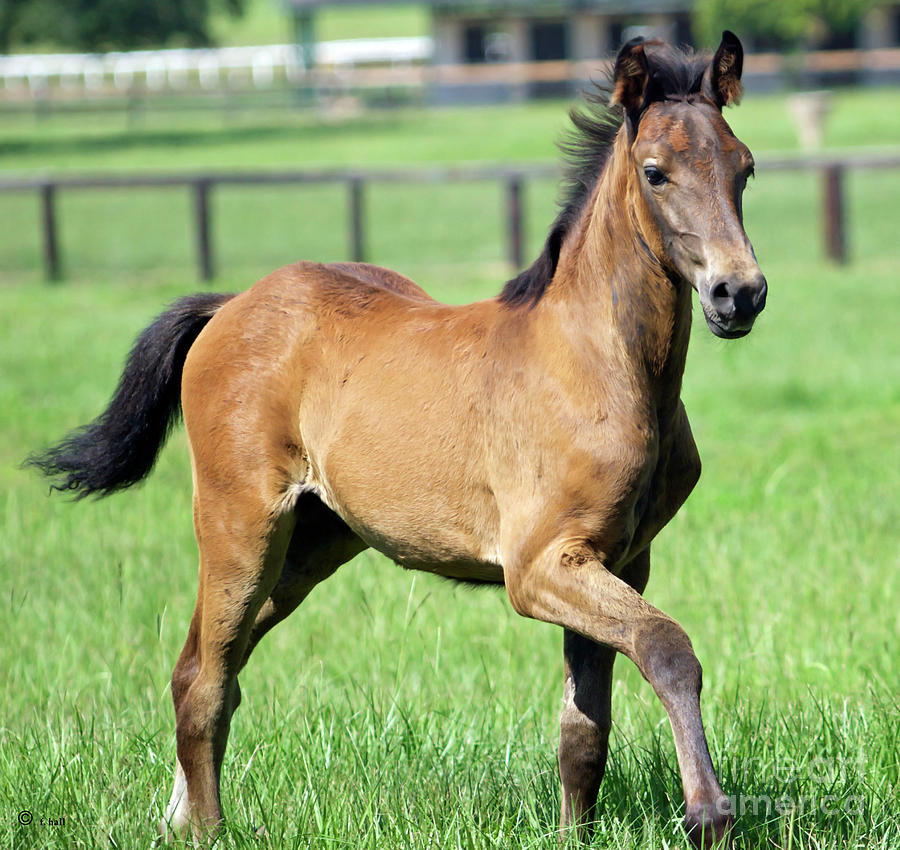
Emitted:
pixel 674 74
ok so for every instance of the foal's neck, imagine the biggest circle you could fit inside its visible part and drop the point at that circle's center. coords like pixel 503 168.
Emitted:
pixel 615 288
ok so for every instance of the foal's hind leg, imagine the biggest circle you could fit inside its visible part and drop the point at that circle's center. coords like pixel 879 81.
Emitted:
pixel 586 716
pixel 242 550
pixel 321 542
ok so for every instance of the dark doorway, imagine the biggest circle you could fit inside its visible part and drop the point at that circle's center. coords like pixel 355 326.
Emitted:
pixel 549 41
pixel 474 38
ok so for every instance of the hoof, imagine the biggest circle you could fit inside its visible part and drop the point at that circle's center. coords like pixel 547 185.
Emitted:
pixel 172 830
pixel 186 834
pixel 166 834
pixel 709 826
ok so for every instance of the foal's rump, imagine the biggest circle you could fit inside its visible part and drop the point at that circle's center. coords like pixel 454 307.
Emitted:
pixel 340 380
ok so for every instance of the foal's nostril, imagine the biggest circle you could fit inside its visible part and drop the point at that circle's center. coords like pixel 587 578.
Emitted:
pixel 721 297
pixel 720 291
pixel 745 301
pixel 759 301
pixel 750 298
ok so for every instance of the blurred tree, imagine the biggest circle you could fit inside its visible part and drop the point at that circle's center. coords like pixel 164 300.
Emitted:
pixel 833 19
pixel 778 24
pixel 763 23
pixel 96 25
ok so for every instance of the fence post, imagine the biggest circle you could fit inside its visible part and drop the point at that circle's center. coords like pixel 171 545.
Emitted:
pixel 514 208
pixel 835 234
pixel 357 237
pixel 51 245
pixel 204 246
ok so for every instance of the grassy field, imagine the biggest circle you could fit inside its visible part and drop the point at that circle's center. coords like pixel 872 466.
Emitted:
pixel 267 22
pixel 395 710
pixel 150 232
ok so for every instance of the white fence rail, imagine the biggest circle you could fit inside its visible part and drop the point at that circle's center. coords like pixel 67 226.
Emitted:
pixel 158 70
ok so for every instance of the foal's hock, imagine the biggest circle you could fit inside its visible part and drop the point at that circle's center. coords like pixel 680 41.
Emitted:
pixel 535 440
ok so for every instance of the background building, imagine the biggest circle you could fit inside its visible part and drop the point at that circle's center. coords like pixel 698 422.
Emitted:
pixel 472 33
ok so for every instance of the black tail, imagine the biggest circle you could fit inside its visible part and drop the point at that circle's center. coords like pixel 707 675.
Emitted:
pixel 120 446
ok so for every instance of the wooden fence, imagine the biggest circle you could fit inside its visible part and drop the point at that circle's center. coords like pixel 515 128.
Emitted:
pixel 201 184
pixel 44 81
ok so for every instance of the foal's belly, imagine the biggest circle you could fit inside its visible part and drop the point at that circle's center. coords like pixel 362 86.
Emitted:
pixel 410 541
pixel 414 514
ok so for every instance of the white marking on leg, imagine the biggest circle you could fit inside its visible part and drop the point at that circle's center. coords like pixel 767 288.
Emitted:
pixel 178 814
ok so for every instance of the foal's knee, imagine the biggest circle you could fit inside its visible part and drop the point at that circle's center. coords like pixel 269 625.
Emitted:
pixel 665 656
pixel 199 714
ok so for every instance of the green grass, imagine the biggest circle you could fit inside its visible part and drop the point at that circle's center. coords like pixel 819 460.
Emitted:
pixel 263 22
pixel 256 228
pixel 267 22
pixel 163 139
pixel 397 710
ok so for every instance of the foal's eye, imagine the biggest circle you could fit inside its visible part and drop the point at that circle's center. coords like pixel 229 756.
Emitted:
pixel 654 176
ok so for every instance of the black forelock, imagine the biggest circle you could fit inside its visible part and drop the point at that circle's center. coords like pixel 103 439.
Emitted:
pixel 675 74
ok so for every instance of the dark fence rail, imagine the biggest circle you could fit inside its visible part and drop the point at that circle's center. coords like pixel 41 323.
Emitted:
pixel 831 168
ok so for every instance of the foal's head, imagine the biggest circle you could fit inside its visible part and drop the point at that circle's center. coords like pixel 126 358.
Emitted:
pixel 692 171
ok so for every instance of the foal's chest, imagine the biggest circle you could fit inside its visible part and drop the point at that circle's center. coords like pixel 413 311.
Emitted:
pixel 668 480
pixel 640 480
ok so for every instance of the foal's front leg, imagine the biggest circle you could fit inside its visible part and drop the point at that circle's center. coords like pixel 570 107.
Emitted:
pixel 583 729
pixel 586 716
pixel 570 587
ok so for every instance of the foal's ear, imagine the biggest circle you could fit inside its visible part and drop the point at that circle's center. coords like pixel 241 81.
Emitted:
pixel 722 79
pixel 630 77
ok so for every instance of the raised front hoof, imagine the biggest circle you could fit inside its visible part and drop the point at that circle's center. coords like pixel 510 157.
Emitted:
pixel 707 826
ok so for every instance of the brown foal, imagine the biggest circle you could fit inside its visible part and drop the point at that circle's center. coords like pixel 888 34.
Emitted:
pixel 535 440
